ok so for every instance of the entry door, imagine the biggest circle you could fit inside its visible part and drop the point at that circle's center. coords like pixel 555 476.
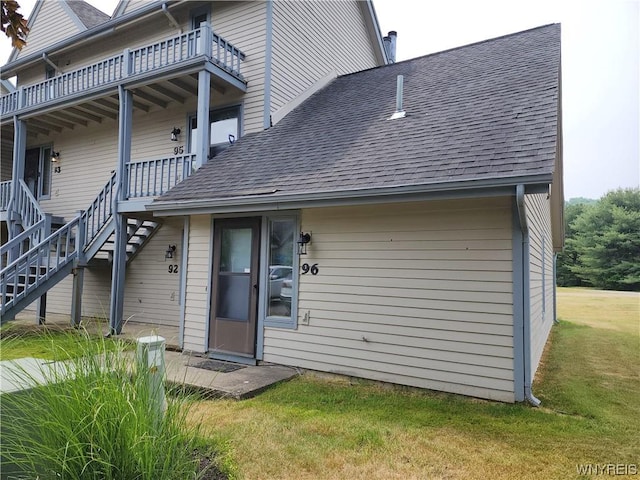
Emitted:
pixel 32 170
pixel 235 286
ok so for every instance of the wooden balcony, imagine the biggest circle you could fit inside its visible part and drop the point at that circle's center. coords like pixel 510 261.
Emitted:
pixel 166 59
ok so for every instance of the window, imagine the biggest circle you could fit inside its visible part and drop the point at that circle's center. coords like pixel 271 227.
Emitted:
pixel 281 281
pixel 225 130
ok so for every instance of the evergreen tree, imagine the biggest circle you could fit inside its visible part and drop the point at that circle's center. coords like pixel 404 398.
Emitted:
pixel 606 242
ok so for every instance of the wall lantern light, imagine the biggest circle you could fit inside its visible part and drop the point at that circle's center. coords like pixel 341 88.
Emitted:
pixel 171 250
pixel 55 156
pixel 303 240
pixel 174 134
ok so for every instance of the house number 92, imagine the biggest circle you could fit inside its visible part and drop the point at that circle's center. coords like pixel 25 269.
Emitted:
pixel 173 268
pixel 306 268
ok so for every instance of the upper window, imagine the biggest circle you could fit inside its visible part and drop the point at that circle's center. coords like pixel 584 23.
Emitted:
pixel 224 130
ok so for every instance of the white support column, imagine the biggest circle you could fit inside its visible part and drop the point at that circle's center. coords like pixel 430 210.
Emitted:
pixel 116 307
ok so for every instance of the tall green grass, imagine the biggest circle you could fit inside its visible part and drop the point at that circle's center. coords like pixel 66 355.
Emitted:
pixel 96 419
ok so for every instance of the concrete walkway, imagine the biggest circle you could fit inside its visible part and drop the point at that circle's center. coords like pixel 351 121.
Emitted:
pixel 245 382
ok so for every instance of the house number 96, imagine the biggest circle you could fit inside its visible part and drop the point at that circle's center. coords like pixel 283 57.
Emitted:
pixel 306 268
pixel 173 268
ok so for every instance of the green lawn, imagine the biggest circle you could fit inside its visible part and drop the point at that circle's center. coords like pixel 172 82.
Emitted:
pixel 312 428
pixel 319 428
pixel 54 342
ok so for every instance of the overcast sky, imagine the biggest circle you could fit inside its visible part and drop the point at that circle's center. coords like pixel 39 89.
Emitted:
pixel 600 70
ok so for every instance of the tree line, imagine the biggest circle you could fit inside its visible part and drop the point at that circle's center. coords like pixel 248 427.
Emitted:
pixel 602 242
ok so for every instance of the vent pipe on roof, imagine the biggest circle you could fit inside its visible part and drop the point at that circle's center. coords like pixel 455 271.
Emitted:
pixel 399 113
pixel 390 45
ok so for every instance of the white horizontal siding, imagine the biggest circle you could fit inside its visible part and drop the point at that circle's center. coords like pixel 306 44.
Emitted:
pixel 311 39
pixel 52 25
pixel 197 288
pixel 417 294
pixel 541 301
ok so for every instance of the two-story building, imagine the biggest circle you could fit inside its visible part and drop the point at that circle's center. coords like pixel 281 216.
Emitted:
pixel 106 115
pixel 340 212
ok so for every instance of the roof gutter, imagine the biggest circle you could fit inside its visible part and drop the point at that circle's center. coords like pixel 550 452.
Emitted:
pixel 106 28
pixel 526 303
pixel 277 201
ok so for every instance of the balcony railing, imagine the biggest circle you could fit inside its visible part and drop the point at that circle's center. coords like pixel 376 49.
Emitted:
pixel 5 194
pixel 128 65
pixel 149 178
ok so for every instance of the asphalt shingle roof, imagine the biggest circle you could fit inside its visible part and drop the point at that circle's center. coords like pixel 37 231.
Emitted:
pixel 484 111
pixel 88 14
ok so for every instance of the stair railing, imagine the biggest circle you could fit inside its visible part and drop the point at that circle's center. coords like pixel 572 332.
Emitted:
pixel 26 205
pixel 19 244
pixel 99 212
pixel 37 265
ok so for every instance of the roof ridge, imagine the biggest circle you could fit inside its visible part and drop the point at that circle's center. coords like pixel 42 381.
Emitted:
pixel 487 40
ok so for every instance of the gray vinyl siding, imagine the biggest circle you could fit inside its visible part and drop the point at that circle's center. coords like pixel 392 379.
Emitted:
pixel 417 294
pixel 197 288
pixel 310 39
pixel 541 301
pixel 51 25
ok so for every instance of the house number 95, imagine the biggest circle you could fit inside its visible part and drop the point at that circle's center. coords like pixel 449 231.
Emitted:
pixel 306 268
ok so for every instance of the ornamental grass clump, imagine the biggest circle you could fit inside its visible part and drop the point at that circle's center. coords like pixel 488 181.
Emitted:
pixel 95 418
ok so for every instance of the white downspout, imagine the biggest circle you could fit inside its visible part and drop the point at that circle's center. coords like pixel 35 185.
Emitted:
pixel 526 304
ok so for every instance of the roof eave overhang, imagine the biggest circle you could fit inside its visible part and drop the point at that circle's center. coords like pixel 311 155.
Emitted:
pixel 10 69
pixel 333 198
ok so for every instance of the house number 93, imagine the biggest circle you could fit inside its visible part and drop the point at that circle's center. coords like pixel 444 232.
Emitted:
pixel 306 268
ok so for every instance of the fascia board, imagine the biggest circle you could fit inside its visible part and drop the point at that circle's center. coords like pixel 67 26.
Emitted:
pixel 444 191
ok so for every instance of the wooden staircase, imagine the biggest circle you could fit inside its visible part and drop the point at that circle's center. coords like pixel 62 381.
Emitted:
pixel 32 264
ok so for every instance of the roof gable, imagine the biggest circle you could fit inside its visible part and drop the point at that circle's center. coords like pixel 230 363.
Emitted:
pixel 126 6
pixel 89 15
pixel 485 112
pixel 54 20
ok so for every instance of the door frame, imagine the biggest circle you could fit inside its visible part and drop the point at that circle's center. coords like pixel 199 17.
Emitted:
pixel 255 223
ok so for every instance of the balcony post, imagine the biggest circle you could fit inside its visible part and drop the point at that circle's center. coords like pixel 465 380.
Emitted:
pixel 206 39
pixel 116 307
pixel 204 98
pixel 126 63
pixel 78 273
pixel 17 172
pixel 21 98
